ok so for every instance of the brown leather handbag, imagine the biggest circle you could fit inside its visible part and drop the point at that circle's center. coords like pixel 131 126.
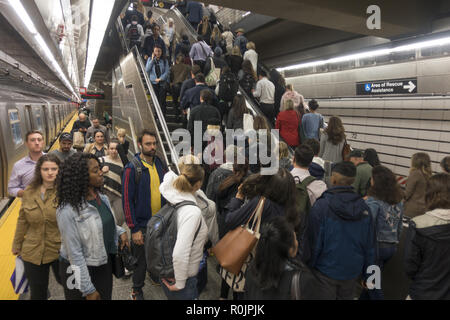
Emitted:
pixel 346 149
pixel 234 248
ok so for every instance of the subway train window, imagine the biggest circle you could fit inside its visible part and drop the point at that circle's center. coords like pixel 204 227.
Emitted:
pixel 14 120
pixel 38 120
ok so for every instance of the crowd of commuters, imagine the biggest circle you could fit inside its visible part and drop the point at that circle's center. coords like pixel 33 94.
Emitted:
pixel 328 232
pixel 320 230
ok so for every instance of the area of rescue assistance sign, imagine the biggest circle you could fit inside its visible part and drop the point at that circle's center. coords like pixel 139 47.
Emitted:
pixel 394 86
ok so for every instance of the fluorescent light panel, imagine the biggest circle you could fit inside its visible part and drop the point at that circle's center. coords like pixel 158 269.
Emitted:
pixel 23 15
pixel 370 54
pixel 101 12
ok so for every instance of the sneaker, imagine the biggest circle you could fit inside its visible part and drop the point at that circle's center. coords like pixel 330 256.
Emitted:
pixel 128 273
pixel 137 295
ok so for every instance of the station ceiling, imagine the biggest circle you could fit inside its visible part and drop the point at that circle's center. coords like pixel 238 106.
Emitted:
pixel 302 27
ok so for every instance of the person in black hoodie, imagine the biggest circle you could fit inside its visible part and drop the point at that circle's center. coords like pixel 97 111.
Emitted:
pixel 427 250
pixel 271 273
pixel 280 88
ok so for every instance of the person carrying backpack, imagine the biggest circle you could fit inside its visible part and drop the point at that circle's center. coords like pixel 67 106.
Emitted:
pixel 187 226
pixel 228 85
pixel 134 33
pixel 141 199
pixel 308 189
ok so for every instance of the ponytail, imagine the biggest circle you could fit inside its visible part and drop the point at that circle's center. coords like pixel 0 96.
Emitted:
pixel 190 175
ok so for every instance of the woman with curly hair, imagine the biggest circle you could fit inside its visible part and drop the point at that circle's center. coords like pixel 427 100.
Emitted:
pixel 332 141
pixel 385 202
pixel 88 230
pixel 416 185
pixel 37 239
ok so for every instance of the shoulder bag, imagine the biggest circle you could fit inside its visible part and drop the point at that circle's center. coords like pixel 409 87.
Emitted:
pixel 346 151
pixel 213 76
pixel 234 248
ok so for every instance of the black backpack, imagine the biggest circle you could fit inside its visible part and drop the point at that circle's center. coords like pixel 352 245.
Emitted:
pixel 228 87
pixel 160 240
pixel 247 83
pixel 133 34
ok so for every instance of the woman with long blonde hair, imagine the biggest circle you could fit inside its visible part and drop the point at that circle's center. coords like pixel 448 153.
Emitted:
pixel 192 230
pixel 204 29
pixel 416 185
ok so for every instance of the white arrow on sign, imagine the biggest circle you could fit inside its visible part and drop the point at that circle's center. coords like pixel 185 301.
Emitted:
pixel 410 86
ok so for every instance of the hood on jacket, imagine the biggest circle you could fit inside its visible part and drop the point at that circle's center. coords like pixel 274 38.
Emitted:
pixel 436 226
pixel 170 193
pixel 346 204
pixel 316 170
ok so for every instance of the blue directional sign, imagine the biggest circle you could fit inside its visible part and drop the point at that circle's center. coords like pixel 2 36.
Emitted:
pixel 394 86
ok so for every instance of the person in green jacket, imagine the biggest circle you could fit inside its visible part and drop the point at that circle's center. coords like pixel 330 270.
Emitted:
pixel 363 172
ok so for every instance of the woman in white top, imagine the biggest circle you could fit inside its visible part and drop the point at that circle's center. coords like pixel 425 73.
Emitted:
pixel 188 250
pixel 251 55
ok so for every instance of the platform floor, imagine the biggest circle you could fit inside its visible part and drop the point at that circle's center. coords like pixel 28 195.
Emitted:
pixel 7 230
pixel 122 287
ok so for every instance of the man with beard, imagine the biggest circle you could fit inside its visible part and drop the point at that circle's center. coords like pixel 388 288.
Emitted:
pixel 65 147
pixel 141 199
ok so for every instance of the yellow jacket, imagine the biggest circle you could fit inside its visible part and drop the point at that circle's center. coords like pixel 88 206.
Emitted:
pixel 37 235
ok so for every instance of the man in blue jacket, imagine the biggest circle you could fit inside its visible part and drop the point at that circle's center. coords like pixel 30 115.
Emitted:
pixel 339 240
pixel 141 199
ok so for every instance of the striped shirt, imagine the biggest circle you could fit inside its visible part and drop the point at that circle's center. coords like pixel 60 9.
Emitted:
pixel 113 179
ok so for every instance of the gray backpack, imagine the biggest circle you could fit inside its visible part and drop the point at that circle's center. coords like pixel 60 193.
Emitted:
pixel 160 239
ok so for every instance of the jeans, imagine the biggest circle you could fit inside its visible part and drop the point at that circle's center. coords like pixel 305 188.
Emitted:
pixel 141 269
pixel 101 277
pixel 189 292
pixel 160 91
pixel 38 277
pixel 384 255
pixel 325 288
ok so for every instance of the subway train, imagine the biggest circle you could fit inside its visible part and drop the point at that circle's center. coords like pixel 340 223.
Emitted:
pixel 20 112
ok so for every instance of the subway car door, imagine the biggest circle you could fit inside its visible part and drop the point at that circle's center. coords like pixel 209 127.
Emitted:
pixel 29 118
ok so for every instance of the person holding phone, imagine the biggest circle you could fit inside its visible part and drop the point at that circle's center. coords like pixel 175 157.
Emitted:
pixel 158 72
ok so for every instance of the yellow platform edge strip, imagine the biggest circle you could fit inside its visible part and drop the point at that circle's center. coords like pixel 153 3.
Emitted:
pixel 8 224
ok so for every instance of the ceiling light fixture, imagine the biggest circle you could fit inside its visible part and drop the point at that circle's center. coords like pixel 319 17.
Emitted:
pixel 371 54
pixel 101 13
pixel 23 15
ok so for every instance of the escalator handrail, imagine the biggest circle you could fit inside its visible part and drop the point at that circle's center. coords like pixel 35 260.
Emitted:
pixel 122 35
pixel 159 112
pixel 185 21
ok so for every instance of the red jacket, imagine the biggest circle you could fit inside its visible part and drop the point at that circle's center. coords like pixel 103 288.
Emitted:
pixel 287 123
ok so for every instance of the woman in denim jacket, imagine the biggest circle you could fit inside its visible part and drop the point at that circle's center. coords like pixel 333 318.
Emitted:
pixel 384 200
pixel 88 230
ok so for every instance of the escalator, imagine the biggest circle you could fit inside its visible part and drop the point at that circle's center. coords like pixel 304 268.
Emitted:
pixel 135 104
pixel 182 26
